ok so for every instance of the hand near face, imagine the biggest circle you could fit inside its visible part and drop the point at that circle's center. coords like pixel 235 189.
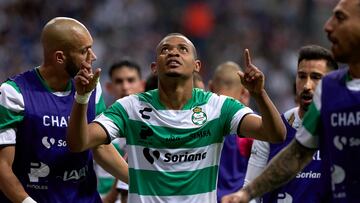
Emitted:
pixel 86 80
pixel 237 197
pixel 252 78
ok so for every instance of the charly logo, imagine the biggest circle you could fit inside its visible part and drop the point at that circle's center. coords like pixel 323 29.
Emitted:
pixel 48 142
pixel 198 117
pixel 38 170
pixel 150 155
pixel 146 109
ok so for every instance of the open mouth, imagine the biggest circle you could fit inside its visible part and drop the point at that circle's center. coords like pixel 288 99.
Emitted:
pixel 173 62
pixel 307 98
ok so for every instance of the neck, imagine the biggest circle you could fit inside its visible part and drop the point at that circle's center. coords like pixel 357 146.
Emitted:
pixel 174 94
pixel 301 113
pixel 354 70
pixel 56 80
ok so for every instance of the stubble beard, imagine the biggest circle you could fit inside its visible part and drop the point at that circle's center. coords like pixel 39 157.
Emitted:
pixel 71 68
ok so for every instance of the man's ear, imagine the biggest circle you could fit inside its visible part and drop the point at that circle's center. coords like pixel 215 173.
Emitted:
pixel 153 68
pixel 60 57
pixel 197 66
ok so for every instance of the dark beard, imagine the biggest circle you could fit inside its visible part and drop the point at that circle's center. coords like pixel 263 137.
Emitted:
pixel 71 67
pixel 305 107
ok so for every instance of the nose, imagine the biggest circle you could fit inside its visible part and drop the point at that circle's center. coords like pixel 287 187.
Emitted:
pixel 308 84
pixel 328 25
pixel 125 85
pixel 92 55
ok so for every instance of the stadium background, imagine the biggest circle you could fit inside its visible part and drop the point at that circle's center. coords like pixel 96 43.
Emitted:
pixel 220 29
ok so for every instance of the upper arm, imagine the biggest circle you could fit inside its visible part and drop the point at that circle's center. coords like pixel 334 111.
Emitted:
pixel 97 134
pixel 251 126
pixel 233 113
pixel 7 154
pixel 112 122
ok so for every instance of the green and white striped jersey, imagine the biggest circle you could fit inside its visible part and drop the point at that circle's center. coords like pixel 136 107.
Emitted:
pixel 12 108
pixel 173 154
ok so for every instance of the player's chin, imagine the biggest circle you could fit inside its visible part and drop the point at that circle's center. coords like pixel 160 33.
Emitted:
pixel 173 74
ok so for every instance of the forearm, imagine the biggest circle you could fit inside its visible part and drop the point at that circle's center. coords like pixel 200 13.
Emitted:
pixel 271 119
pixel 10 185
pixel 77 135
pixel 281 169
pixel 110 160
pixel 258 160
pixel 112 195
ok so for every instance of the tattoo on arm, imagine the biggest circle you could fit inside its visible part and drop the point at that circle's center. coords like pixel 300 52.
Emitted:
pixel 281 169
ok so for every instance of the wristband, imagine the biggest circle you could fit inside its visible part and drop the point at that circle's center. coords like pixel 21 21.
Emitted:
pixel 82 99
pixel 28 200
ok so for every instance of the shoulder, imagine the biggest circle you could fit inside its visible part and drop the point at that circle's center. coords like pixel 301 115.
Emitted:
pixel 24 76
pixel 201 95
pixel 292 117
pixel 10 86
pixel 334 78
pixel 336 74
pixel 148 96
pixel 291 114
pixel 129 103
pixel 11 97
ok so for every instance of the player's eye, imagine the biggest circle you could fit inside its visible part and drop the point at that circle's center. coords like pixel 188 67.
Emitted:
pixel 164 50
pixel 184 49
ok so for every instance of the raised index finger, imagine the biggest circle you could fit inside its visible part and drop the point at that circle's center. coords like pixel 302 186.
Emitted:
pixel 247 59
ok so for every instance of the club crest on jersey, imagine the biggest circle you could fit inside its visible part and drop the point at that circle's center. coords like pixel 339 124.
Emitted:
pixel 198 117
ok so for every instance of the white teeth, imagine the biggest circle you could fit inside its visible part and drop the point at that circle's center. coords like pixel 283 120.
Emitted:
pixel 173 63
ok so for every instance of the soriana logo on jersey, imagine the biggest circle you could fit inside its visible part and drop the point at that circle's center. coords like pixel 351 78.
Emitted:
pixel 198 117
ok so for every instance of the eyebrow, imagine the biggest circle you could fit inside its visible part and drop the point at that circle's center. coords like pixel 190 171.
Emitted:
pixel 86 47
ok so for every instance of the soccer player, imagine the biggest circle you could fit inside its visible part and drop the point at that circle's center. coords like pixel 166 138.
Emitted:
pixel 174 133
pixel 313 63
pixel 236 151
pixel 125 79
pixel 331 124
pixel 35 163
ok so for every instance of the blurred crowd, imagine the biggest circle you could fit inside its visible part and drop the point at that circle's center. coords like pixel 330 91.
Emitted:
pixel 273 30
